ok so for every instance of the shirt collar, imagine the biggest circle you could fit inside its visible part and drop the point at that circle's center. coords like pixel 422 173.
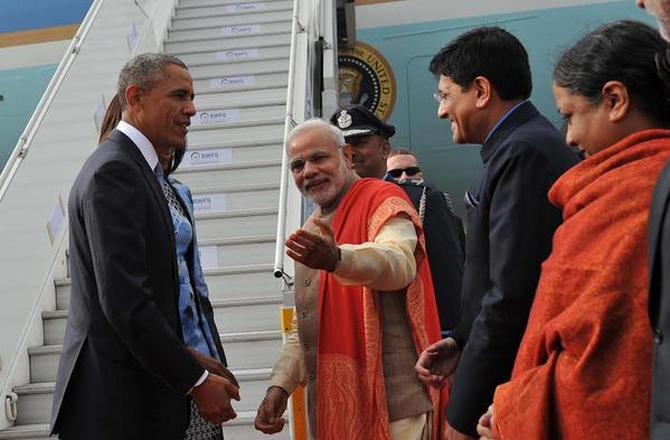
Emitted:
pixel 501 120
pixel 141 142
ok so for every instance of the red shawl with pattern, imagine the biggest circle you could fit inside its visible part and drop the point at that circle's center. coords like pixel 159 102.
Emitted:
pixel 584 367
pixel 351 395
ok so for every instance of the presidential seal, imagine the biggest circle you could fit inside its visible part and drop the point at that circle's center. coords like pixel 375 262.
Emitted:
pixel 366 78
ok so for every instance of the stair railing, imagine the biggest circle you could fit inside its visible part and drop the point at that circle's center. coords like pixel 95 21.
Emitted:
pixel 23 145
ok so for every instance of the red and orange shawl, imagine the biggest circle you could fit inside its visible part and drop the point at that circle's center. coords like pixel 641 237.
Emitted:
pixel 584 367
pixel 351 395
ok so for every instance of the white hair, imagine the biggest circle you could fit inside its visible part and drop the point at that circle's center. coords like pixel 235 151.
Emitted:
pixel 315 124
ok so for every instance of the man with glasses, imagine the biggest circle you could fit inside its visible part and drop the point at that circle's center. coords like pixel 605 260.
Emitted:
pixel 403 165
pixel 369 140
pixel 483 91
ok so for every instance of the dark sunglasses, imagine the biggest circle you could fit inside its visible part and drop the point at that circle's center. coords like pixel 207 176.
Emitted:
pixel 410 171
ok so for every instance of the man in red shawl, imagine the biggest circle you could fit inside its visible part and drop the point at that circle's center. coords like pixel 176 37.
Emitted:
pixel 364 300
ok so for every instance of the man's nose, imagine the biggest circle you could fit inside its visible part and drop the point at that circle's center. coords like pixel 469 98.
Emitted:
pixel 403 177
pixel 442 111
pixel 189 109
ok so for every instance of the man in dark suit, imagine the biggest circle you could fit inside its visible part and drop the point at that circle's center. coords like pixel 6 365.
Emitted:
pixel 371 148
pixel 124 372
pixel 484 86
pixel 659 267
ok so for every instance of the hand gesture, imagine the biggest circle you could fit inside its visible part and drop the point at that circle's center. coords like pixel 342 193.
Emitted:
pixel 438 362
pixel 212 398
pixel 270 415
pixel 486 423
pixel 318 251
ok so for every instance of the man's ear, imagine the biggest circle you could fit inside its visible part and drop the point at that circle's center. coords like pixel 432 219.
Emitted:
pixel 483 91
pixel 347 152
pixel 133 95
pixel 617 100
pixel 386 148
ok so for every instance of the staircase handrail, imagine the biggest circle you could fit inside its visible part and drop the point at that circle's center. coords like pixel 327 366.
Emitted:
pixel 23 145
pixel 289 123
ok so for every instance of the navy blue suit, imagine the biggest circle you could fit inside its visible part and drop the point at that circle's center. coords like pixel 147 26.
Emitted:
pixel 124 371
pixel 659 305
pixel 510 227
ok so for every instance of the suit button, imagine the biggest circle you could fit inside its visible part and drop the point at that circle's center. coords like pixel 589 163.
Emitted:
pixel 312 378
pixel 303 315
pixel 658 336
pixel 305 347
pixel 308 282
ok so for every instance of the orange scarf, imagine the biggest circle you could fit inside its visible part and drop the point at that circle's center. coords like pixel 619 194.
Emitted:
pixel 351 395
pixel 583 370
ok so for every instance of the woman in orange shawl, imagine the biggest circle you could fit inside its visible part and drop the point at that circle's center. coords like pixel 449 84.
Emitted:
pixel 583 370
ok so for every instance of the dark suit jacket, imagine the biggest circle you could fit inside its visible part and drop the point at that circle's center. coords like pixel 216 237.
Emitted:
pixel 123 371
pixel 659 305
pixel 510 227
pixel 444 244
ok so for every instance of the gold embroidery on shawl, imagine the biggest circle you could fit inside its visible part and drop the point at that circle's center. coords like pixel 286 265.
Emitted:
pixel 349 415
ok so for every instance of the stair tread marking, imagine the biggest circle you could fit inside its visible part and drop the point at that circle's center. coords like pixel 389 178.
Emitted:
pixel 242 375
pixel 228 166
pixel 219 37
pixel 216 304
pixel 224 125
pixel 250 268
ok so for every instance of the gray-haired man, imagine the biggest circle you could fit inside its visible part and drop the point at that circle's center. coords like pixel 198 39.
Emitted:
pixel 124 372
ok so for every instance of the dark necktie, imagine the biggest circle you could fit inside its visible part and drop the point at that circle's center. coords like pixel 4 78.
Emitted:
pixel 168 191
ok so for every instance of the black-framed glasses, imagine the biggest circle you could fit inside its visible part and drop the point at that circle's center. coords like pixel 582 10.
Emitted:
pixel 410 171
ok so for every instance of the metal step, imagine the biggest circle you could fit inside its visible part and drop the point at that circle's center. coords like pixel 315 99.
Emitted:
pixel 246 81
pixel 239 116
pixel 246 350
pixel 201 3
pixel 225 152
pixel 38 431
pixel 234 55
pixel 241 69
pixel 265 172
pixel 231 283
pixel 230 10
pixel 34 403
pixel 243 42
pixel 241 428
pixel 253 222
pixel 236 26
pixel 236 97
pixel 227 199
pixel 263 132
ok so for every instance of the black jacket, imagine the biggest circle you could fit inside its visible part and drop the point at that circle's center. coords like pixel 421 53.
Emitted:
pixel 445 240
pixel 510 227
pixel 124 372
pixel 659 305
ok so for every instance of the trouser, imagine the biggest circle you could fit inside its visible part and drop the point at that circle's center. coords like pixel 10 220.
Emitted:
pixel 410 428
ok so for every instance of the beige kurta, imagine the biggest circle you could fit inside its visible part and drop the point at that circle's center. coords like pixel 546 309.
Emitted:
pixel 387 265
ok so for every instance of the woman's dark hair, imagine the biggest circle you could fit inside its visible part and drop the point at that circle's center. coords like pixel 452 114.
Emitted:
pixel 491 52
pixel 630 52
pixel 111 120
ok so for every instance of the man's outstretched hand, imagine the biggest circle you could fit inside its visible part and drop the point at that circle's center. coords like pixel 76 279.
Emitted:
pixel 318 251
pixel 438 362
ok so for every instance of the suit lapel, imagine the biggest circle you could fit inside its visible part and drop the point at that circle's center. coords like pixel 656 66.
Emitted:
pixel 129 147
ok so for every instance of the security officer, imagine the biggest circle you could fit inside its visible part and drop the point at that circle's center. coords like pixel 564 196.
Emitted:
pixel 369 137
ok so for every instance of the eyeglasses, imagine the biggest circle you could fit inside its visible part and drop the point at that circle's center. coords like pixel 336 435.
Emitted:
pixel 440 97
pixel 410 171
